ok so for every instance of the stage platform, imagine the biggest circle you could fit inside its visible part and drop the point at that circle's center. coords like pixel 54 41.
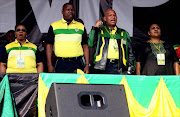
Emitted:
pixel 146 95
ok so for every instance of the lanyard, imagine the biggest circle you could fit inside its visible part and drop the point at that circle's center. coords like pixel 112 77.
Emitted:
pixel 20 48
pixel 157 47
pixel 110 33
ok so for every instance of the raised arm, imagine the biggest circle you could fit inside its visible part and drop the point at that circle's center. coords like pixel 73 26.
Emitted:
pixel 93 35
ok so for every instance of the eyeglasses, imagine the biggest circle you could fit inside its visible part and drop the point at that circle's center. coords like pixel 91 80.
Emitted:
pixel 23 30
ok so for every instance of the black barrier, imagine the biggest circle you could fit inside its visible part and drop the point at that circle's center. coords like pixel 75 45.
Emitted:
pixel 24 88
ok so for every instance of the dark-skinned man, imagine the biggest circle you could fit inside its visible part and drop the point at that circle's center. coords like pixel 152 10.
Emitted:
pixel 113 47
pixel 69 38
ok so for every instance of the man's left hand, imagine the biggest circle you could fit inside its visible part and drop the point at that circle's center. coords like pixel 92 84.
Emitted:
pixel 86 69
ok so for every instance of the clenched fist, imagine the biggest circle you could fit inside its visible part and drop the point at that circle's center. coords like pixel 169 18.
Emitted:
pixel 98 23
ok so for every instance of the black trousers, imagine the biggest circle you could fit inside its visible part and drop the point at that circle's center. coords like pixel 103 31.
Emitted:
pixel 68 66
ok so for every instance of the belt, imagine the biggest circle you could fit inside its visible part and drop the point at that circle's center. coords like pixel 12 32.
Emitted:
pixel 112 60
pixel 70 58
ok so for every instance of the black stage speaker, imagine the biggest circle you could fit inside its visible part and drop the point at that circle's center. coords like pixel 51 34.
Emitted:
pixel 86 100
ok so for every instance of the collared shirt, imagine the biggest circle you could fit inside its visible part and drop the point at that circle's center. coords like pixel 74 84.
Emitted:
pixel 27 50
pixel 16 41
pixel 64 21
pixel 51 35
pixel 67 38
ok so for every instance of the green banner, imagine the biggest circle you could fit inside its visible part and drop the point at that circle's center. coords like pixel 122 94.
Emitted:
pixel 6 100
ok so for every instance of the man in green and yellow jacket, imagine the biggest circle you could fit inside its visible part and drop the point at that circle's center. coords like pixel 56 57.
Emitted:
pixel 114 54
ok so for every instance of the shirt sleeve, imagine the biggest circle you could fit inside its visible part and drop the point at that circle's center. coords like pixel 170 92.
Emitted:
pixel 139 53
pixel 38 56
pixel 84 37
pixel 4 55
pixel 93 36
pixel 50 36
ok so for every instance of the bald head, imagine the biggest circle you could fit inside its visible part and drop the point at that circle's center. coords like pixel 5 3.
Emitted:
pixel 110 18
pixel 109 10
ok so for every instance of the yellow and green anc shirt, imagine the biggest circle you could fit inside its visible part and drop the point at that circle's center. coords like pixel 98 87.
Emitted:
pixel 113 51
pixel 27 52
pixel 68 38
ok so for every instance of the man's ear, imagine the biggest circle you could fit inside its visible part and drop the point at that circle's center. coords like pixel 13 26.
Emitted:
pixel 104 18
pixel 62 11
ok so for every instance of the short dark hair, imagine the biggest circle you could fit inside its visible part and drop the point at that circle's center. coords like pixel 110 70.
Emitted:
pixel 66 4
pixel 10 31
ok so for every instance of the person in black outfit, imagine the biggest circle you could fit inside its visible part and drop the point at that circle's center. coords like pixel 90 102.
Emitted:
pixel 156 57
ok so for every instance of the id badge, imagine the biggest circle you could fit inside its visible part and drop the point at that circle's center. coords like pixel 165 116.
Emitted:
pixel 20 62
pixel 161 59
pixel 115 46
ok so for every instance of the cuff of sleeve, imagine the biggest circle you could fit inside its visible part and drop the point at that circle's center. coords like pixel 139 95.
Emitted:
pixel 94 28
pixel 130 70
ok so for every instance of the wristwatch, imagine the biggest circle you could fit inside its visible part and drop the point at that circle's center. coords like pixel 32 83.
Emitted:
pixel 88 64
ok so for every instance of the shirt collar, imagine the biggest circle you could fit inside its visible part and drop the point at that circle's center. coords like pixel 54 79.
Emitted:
pixel 115 29
pixel 64 21
pixel 16 41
